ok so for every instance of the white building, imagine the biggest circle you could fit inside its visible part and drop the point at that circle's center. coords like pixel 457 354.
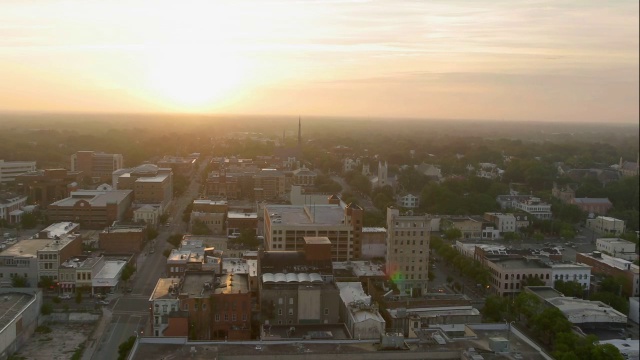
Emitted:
pixel 606 225
pixel 10 169
pixel 409 201
pixel 535 207
pixel 163 301
pixel 580 273
pixel 617 247
pixel 505 223
pixel 11 208
pixel 148 213
pixel 630 349
pixel 358 312
pixel 20 313
pixel 108 278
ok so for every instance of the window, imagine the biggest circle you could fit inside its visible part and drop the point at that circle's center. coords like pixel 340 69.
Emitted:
pixel 290 301
pixel 185 307
pixel 244 317
pixel 279 301
pixel 290 312
pixel 204 306
pixel 326 311
pixel 233 317
pixel 217 317
pixel 279 311
pixel 226 317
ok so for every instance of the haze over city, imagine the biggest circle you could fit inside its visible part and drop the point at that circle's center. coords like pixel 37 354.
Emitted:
pixel 504 60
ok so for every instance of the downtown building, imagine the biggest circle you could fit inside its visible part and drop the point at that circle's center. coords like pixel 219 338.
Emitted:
pixel 286 226
pixel 98 166
pixel 407 259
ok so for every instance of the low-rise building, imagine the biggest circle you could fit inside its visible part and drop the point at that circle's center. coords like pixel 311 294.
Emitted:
pixel 50 185
pixel 11 206
pixel 122 239
pixel 93 209
pixel 231 308
pixel 166 316
pixel 579 273
pixel 599 206
pixel 409 201
pixel 108 278
pixel 407 320
pixel 505 223
pixel 509 275
pixel 606 225
pixel 535 207
pixel 211 213
pixel 148 214
pixel 19 318
pixel 617 247
pixel 359 313
pixel 78 273
pixel 608 265
pixel 178 165
pixel 580 312
pixel 469 228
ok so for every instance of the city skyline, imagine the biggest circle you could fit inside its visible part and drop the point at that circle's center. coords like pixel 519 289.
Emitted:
pixel 542 60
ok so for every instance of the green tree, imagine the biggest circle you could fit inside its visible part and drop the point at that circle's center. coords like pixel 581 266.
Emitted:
pixel 125 348
pixel 569 288
pixel 200 228
pixel 152 233
pixel 531 281
pixel 527 305
pixel 19 282
pixel 29 221
pixel 548 324
pixel 175 240
pixel 452 234
pixel 46 309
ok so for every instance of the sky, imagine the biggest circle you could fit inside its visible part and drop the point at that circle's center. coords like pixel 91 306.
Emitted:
pixel 556 60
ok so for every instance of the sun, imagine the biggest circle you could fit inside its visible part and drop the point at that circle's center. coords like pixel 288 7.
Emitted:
pixel 194 79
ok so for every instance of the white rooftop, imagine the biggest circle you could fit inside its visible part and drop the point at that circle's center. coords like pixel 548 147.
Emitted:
pixel 374 230
pixel 325 214
pixel 360 268
pixel 111 269
pixel 580 311
pixel 61 228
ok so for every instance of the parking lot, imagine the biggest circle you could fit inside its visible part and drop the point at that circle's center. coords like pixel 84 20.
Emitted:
pixel 59 344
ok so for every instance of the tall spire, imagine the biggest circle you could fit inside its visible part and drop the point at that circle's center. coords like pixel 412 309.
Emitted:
pixel 299 132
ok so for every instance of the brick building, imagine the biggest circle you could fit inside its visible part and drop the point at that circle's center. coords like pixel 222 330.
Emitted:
pixel 602 264
pixel 50 185
pixel 96 165
pixel 122 239
pixel 93 209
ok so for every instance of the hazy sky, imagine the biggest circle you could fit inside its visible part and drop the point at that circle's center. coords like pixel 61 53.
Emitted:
pixel 473 59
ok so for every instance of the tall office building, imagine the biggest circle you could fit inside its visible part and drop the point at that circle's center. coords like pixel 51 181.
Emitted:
pixel 407 260
pixel 97 165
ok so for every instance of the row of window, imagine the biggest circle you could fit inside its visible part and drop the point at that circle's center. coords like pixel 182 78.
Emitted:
pixel 409 233
pixel 12 275
pixel 48 256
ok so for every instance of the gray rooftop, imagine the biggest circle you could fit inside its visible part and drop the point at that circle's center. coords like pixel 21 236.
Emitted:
pixel 95 199
pixel 307 215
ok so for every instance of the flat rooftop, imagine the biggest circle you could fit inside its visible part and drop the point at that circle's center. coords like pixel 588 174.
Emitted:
pixel 374 230
pixel 359 268
pixel 152 179
pixel 59 229
pixel 194 284
pixel 100 199
pixel 520 264
pixel 111 269
pixel 26 248
pixel 232 284
pixel 161 291
pixel 123 229
pixel 237 215
pixel 291 215
pixel 13 303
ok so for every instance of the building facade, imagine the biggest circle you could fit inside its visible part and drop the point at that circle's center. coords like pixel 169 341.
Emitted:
pixel 9 170
pixel 606 225
pixel 407 261
pixel 96 165
pixel 92 209
pixel 44 187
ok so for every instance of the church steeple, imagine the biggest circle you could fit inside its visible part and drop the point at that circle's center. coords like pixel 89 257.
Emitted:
pixel 299 132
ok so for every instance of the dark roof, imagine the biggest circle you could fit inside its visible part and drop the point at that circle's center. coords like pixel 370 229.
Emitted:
pixel 291 262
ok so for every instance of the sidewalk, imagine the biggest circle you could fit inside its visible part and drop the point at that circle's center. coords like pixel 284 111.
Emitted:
pixel 93 342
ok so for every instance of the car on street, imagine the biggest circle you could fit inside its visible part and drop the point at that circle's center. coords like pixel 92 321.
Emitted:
pixel 65 296
pixel 103 302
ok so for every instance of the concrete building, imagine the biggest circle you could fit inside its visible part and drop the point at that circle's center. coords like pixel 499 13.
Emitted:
pixel 91 208
pixel 617 247
pixel 297 287
pixel 21 260
pixel 226 185
pixel 584 313
pixel 11 206
pixel 19 318
pixel 269 184
pixel 608 265
pixel 96 165
pixel 634 308
pixel 606 225
pixel 9 170
pixel 285 227
pixel 374 242
pixel 122 239
pixel 194 293
pixel 108 277
pixel 299 196
pixel 359 313
pixel 509 274
pixel 238 222
pixel 407 260
pixel 50 185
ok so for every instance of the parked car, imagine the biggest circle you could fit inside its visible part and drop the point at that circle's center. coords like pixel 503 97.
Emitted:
pixel 103 302
pixel 65 296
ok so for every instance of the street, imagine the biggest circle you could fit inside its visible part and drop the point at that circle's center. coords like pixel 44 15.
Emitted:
pixel 130 312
